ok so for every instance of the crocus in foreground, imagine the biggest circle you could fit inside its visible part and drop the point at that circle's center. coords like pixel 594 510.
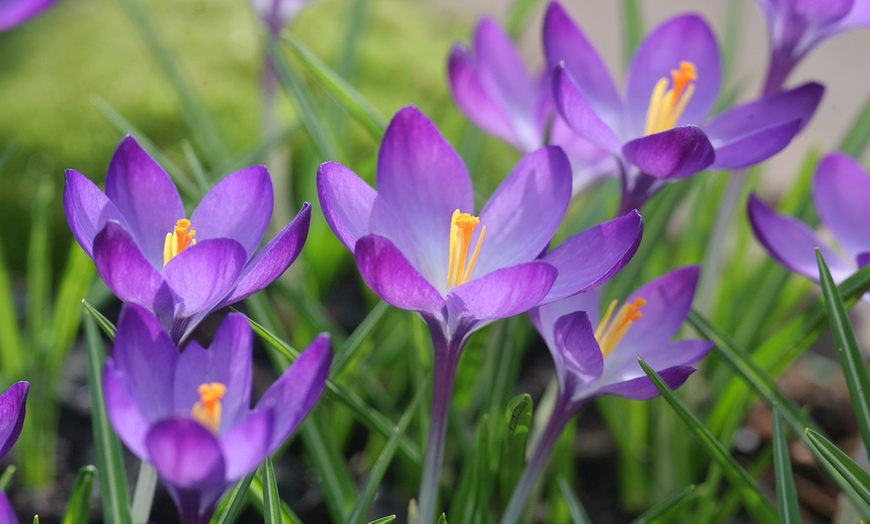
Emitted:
pixel 841 191
pixel 660 132
pixel 181 269
pixel 16 12
pixel 796 26
pixel 188 413
pixel 420 246
pixel 492 86
pixel 594 361
pixel 12 409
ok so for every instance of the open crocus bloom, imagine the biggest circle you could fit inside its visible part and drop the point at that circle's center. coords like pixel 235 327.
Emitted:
pixel 12 409
pixel 796 26
pixel 660 132
pixel 492 86
pixel 188 413
pixel 149 253
pixel 841 191
pixel 16 12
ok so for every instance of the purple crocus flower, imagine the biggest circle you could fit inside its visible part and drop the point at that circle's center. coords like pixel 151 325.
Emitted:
pixel 276 14
pixel 15 12
pixel 841 191
pixel 495 90
pixel 188 413
pixel 12 409
pixel 796 26
pixel 147 252
pixel 660 132
pixel 591 362
pixel 419 246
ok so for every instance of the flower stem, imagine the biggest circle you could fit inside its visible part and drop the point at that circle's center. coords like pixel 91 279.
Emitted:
pixel 446 359
pixel 562 413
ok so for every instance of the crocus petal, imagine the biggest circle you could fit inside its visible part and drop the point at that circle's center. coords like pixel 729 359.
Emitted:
pixel 544 317
pixel 666 355
pixel 525 210
pixel 346 201
pixel 246 444
pixel 753 132
pixel 478 104
pixel 641 388
pixel 668 299
pixel 16 12
pixel 12 409
pixel 238 207
pixel 124 268
pixel 147 357
pixel 293 395
pixel 203 274
pixel 858 16
pixel 422 178
pixel 185 454
pixel 389 274
pixel 577 349
pixel 589 162
pixel 270 262
pixel 7 514
pixel 125 410
pixel 684 38
pixel 564 42
pixel 676 153
pixel 143 192
pixel 791 243
pixel 594 255
pixel 502 293
pixel 841 192
pixel 87 209
pixel 863 259
pixel 579 114
pixel 227 361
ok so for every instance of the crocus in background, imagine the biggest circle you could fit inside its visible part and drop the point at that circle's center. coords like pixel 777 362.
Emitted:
pixel 593 361
pixel 419 245
pixel 188 413
pixel 492 86
pixel 841 192
pixel 276 14
pixel 15 12
pixel 796 26
pixel 12 409
pixel 181 269
pixel 660 132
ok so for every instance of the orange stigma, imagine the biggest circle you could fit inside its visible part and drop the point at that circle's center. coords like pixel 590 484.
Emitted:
pixel 666 105
pixel 611 332
pixel 462 226
pixel 179 239
pixel 208 410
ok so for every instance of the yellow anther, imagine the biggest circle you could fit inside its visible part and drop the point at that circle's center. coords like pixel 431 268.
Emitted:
pixel 666 105
pixel 612 329
pixel 177 240
pixel 208 410
pixel 462 226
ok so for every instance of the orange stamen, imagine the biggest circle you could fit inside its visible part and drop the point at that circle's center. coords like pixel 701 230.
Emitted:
pixel 208 410
pixel 177 240
pixel 610 332
pixel 462 226
pixel 667 105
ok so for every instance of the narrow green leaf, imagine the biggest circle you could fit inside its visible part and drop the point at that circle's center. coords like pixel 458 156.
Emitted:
pixel 143 493
pixel 384 460
pixel 11 349
pixel 753 499
pixel 113 479
pixel 77 278
pixel 36 519
pixel 442 519
pixel 271 500
pixel 256 493
pixel 339 489
pixel 855 140
pixel 348 97
pixel 632 29
pixel 858 479
pixel 356 338
pixel 39 268
pixel 7 477
pixel 854 368
pixel 578 514
pixel 79 503
pixel 384 520
pixel 786 493
pixel 105 325
pixel 233 504
pixel 518 420
pixel 666 506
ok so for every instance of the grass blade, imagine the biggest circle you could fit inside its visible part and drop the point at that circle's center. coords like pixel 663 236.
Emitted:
pixel 256 493
pixel 740 480
pixel 11 349
pixel 105 325
pixel 79 504
pixel 356 338
pixel 858 136
pixel 233 504
pixel 339 489
pixel 858 479
pixel 786 494
pixel 854 368
pixel 632 25
pixel 384 520
pixel 578 514
pixel 666 506
pixel 113 479
pixel 271 500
